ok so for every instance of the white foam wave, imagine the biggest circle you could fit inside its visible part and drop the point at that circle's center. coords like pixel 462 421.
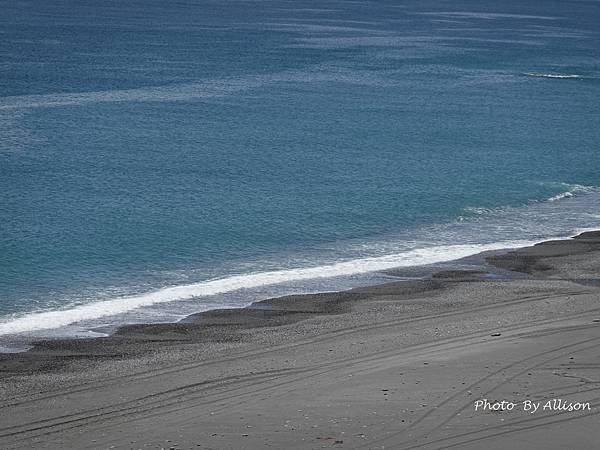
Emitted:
pixel 60 318
pixel 561 196
pixel 552 75
pixel 479 211
pixel 573 190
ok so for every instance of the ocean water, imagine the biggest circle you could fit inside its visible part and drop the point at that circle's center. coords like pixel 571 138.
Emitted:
pixel 161 158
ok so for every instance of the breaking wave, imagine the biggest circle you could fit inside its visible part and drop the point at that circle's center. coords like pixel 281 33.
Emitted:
pixel 572 191
pixel 552 75
pixel 60 318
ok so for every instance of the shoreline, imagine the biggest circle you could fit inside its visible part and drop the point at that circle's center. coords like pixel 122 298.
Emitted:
pixel 475 262
pixel 490 264
pixel 331 273
pixel 397 360
pixel 21 341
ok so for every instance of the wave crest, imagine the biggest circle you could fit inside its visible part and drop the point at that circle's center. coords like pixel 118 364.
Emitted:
pixel 91 311
pixel 552 75
pixel 572 191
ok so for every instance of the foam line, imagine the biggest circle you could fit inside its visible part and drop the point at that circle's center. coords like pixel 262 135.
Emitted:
pixel 206 89
pixel 177 92
pixel 552 75
pixel 573 190
pixel 95 310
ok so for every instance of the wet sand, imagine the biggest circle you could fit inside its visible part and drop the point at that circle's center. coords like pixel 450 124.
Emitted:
pixel 399 365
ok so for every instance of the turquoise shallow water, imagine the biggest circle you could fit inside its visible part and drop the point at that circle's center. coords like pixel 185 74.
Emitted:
pixel 147 148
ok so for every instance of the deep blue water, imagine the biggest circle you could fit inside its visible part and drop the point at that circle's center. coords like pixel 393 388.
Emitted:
pixel 148 144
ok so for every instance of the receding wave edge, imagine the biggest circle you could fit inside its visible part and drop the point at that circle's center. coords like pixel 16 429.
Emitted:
pixel 95 310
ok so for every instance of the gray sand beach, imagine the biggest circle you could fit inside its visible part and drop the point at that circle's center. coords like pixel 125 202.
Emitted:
pixel 401 365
